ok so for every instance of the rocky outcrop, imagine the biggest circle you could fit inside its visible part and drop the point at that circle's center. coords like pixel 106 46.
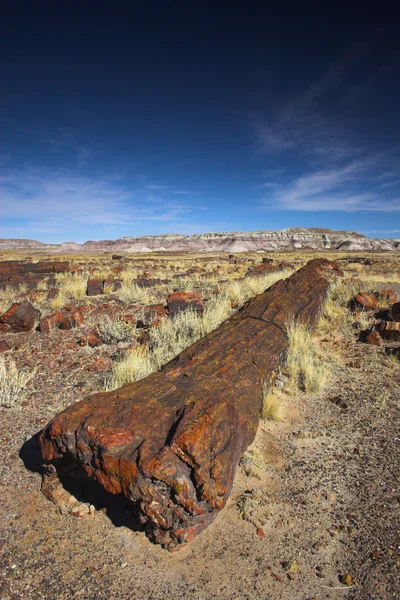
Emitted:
pixel 231 242
pixel 171 442
pixel 237 242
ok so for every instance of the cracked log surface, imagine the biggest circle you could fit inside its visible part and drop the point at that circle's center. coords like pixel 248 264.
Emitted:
pixel 171 442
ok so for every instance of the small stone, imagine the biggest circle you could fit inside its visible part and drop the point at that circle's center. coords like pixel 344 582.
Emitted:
pixel 261 532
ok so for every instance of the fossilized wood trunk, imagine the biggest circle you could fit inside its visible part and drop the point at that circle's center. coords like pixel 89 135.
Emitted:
pixel 171 442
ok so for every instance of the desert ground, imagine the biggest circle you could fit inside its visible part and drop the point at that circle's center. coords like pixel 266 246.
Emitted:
pixel 314 510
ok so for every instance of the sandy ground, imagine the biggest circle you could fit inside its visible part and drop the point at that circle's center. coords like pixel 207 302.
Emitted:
pixel 327 503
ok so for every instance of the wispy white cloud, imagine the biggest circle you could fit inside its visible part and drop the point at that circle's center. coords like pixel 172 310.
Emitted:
pixel 385 231
pixel 319 132
pixel 348 188
pixel 65 201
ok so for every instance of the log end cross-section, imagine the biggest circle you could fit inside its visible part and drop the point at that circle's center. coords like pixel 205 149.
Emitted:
pixel 171 442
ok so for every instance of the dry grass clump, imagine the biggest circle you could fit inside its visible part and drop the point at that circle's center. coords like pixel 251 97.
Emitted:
pixel 171 337
pixel 371 278
pixel 42 285
pixel 242 290
pixel 130 293
pixel 7 298
pixel 72 285
pixel 102 273
pixel 166 341
pixel 128 275
pixel 336 315
pixel 12 383
pixel 273 407
pixel 252 463
pixel 306 368
pixel 115 331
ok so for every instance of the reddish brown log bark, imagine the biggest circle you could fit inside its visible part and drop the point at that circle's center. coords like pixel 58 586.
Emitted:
pixel 171 442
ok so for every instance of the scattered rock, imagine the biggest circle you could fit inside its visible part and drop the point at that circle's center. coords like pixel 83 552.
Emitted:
pixel 63 319
pixel 262 269
pixel 387 295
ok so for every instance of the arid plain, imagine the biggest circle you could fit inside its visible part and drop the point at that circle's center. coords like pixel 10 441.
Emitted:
pixel 314 508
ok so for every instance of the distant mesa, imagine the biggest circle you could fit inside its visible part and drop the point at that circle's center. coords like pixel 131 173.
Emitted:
pixel 232 242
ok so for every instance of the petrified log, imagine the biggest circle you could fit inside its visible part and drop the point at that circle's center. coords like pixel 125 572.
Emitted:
pixel 171 442
pixel 11 269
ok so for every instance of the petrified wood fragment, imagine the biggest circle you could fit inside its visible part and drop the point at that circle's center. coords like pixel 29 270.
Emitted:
pixel 171 442
pixel 21 316
pixel 180 301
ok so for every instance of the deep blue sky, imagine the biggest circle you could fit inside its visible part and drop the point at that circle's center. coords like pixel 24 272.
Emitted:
pixel 124 118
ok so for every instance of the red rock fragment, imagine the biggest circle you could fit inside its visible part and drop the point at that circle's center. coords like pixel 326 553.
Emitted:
pixel 19 317
pixel 49 323
pixel 91 339
pixel 70 320
pixel 387 295
pixel 261 532
pixel 374 339
pixel 180 301
pixel 366 301
pixel 4 347
pixel 95 287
